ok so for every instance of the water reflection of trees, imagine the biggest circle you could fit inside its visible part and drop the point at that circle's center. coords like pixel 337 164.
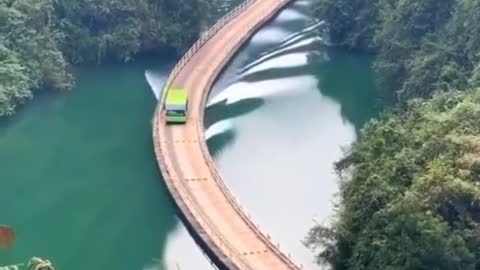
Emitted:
pixel 348 78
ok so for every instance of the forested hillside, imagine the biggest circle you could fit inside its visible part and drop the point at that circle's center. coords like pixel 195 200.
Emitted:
pixel 410 187
pixel 421 46
pixel 39 39
pixel 410 192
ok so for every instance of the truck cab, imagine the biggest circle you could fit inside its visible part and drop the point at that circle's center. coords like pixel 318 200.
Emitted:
pixel 176 105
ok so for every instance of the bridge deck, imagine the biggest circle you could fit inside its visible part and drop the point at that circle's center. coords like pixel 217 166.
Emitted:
pixel 188 168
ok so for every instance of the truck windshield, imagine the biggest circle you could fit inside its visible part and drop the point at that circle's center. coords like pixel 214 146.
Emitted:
pixel 175 112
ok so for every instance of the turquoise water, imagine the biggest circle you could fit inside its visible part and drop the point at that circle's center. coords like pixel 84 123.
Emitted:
pixel 79 181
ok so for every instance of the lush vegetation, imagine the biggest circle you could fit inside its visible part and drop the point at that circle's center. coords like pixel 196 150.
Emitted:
pixel 40 38
pixel 410 191
pixel 410 187
pixel 421 46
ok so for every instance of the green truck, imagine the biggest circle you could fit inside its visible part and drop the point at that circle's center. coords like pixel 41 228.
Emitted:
pixel 176 105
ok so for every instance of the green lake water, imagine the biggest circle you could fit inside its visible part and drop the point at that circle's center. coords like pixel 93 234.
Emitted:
pixel 80 185
pixel 79 182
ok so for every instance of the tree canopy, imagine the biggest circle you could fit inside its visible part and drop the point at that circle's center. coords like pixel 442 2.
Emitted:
pixel 30 57
pixel 421 46
pixel 410 187
pixel 410 191
pixel 39 39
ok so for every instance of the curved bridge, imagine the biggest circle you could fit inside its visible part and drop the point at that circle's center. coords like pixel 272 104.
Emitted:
pixel 212 215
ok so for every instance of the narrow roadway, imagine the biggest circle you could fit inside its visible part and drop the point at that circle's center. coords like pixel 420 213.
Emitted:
pixel 187 167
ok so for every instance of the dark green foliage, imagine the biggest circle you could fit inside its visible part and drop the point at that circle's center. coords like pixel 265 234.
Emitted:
pixel 40 38
pixel 15 84
pixel 351 22
pixel 410 191
pixel 410 188
pixel 29 53
pixel 118 30
pixel 421 46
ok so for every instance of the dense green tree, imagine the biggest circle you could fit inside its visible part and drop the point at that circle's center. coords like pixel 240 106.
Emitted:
pixel 421 46
pixel 95 30
pixel 403 28
pixel 410 191
pixel 352 23
pixel 39 39
pixel 410 187
pixel 29 56
pixel 15 84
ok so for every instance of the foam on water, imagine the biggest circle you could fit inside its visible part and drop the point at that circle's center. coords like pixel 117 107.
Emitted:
pixel 311 27
pixel 276 58
pixel 283 61
pixel 156 82
pixel 218 128
pixel 269 35
pixel 290 15
pixel 261 89
pixel 272 54
pixel 294 37
pixel 302 3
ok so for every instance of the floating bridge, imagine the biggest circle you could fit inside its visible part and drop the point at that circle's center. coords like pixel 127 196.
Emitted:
pixel 213 216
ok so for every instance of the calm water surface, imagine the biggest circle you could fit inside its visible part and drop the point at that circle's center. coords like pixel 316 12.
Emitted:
pixel 79 181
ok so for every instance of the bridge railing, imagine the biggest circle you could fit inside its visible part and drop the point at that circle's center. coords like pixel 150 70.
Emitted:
pixel 234 202
pixel 204 38
pixel 219 241
pixel 201 223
